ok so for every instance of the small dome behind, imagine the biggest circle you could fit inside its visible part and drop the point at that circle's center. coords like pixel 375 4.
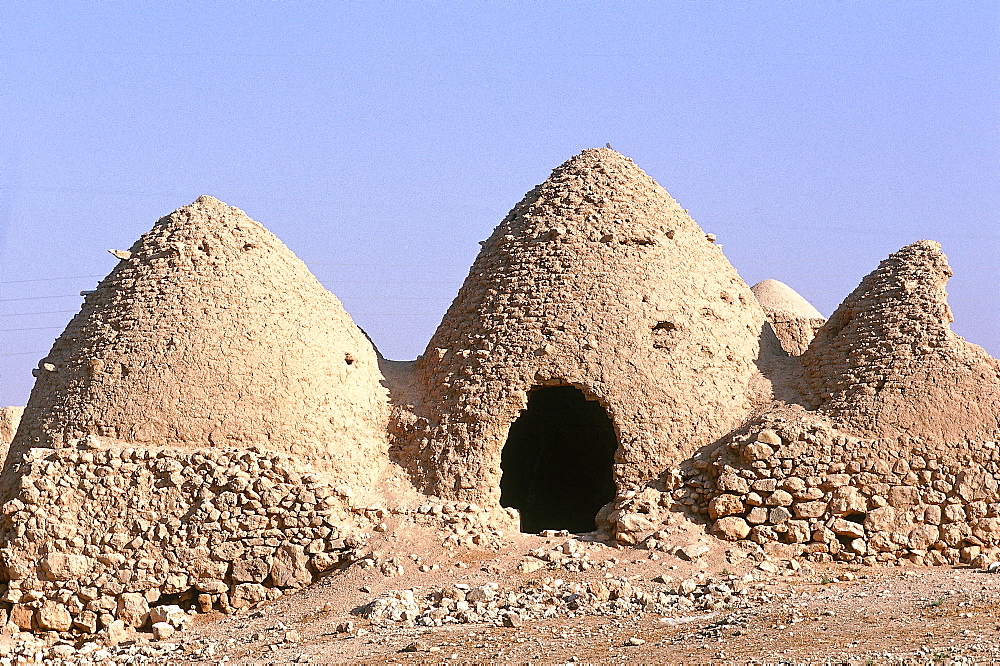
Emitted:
pixel 792 318
pixel 779 299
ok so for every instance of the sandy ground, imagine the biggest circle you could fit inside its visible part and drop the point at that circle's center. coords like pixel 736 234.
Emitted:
pixel 815 614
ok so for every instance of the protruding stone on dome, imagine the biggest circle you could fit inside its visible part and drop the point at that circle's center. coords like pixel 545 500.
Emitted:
pixel 10 417
pixel 887 361
pixel 211 333
pixel 793 319
pixel 600 281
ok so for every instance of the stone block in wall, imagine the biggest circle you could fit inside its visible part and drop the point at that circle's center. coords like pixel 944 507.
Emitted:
pixel 814 509
pixel 250 570
pixel 847 528
pixel 975 484
pixel 846 500
pixel 903 496
pixel 732 528
pixel 133 609
pixel 987 529
pixel 66 566
pixel 954 534
pixel 798 531
pixel 923 536
pixel 725 505
pixel 289 568
pixel 247 594
pixel 23 617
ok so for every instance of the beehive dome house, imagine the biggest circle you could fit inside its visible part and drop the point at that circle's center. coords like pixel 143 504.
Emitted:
pixel 600 337
pixel 211 333
pixel 888 363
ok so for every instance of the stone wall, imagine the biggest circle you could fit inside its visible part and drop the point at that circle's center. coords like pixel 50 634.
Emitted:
pixel 795 480
pixel 99 531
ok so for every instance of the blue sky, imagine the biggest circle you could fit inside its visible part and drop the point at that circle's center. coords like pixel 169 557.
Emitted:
pixel 381 141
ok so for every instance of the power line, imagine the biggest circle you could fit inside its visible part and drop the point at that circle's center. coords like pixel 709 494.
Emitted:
pixel 37 298
pixel 399 298
pixel 23 353
pixel 391 281
pixel 395 314
pixel 26 314
pixel 51 279
pixel 357 314
pixel 39 328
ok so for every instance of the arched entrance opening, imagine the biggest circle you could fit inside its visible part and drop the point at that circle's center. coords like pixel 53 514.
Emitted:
pixel 557 462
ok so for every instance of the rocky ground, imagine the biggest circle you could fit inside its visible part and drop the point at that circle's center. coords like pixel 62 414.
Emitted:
pixel 559 598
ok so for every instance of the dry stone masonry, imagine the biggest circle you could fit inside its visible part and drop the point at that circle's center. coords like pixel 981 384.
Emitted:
pixel 793 482
pixel 205 528
pixel 213 429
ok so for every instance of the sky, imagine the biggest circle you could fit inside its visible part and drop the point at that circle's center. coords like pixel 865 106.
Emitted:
pixel 382 141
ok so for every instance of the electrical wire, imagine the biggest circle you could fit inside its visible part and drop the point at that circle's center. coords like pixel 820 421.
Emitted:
pixel 26 314
pixel 52 279
pixel 37 298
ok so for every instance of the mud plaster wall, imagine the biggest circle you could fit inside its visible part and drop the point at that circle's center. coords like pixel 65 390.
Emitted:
pixel 600 280
pixel 99 532
pixel 210 332
pixel 827 494
pixel 793 333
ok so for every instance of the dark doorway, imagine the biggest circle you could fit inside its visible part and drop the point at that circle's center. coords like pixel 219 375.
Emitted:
pixel 557 462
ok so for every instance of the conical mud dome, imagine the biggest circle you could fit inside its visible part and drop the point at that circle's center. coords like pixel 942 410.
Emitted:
pixel 212 333
pixel 596 280
pixel 793 319
pixel 887 361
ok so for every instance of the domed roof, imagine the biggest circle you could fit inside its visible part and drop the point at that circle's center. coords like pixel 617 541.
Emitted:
pixel 600 280
pixel 791 317
pixel 210 332
pixel 777 298
pixel 887 361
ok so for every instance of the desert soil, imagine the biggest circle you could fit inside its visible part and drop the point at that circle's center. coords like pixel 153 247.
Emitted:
pixel 801 613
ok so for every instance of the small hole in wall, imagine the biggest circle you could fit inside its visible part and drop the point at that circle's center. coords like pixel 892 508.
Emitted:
pixel 856 517
pixel 349 359
pixel 662 334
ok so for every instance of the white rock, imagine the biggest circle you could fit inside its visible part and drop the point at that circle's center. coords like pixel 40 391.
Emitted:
pixel 162 630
